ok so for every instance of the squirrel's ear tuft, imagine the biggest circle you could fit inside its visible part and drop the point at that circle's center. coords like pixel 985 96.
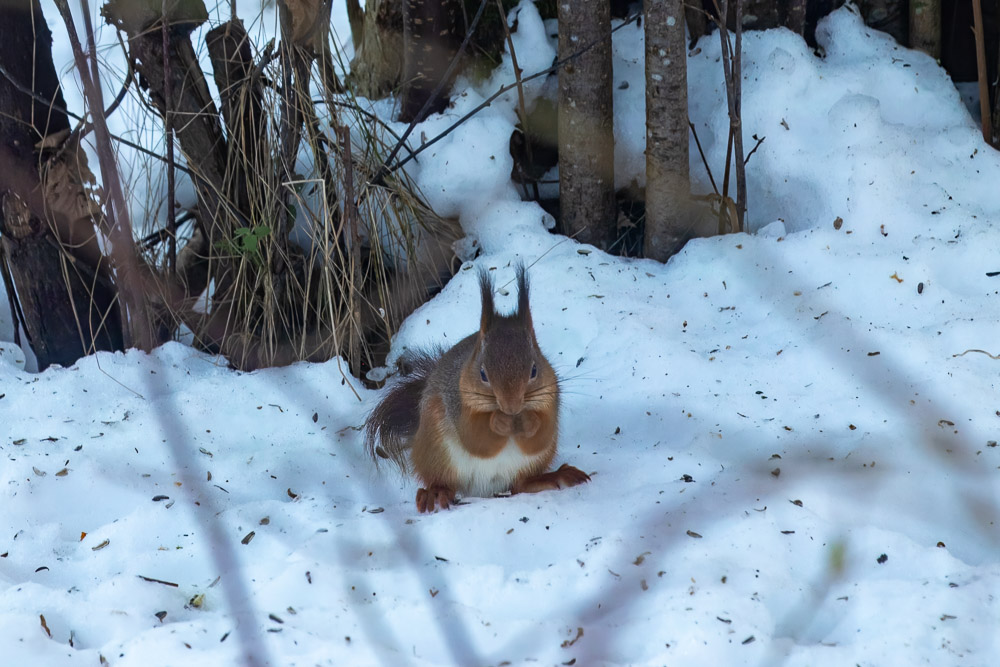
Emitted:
pixel 523 305
pixel 486 293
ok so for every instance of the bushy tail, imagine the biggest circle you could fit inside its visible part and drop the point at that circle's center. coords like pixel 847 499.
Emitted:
pixel 392 424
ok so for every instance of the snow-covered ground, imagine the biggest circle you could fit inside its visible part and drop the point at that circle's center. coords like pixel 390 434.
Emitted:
pixel 793 461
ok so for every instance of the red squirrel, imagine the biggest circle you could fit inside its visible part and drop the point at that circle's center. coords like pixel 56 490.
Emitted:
pixel 479 419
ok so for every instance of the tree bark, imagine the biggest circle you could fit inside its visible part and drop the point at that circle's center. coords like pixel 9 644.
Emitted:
pixel 668 182
pixel 356 17
pixel 430 41
pixel 925 26
pixel 794 18
pixel 61 278
pixel 378 63
pixel 586 124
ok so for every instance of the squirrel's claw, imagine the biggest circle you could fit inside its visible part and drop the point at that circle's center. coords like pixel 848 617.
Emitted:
pixel 436 496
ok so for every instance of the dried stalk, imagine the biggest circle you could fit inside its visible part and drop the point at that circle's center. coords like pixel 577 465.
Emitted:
pixel 168 136
pixel 522 108
pixel 135 324
pixel 733 73
pixel 351 213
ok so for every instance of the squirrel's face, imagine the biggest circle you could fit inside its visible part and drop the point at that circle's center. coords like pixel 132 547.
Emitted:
pixel 508 372
pixel 509 364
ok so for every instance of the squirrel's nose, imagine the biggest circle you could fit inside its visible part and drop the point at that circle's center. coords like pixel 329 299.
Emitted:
pixel 510 405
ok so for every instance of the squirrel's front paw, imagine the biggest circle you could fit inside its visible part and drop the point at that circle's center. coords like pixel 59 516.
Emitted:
pixel 522 425
pixel 569 476
pixel 436 496
pixel 563 478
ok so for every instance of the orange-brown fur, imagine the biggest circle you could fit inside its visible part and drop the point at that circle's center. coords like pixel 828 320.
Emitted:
pixel 488 413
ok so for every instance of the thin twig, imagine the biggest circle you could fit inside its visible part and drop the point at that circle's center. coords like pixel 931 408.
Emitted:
pixel 17 315
pixel 157 581
pixel 991 356
pixel 741 172
pixel 351 213
pixel 168 137
pixel 153 239
pixel 363 112
pixel 522 108
pixel 756 146
pixel 701 152
pixel 731 69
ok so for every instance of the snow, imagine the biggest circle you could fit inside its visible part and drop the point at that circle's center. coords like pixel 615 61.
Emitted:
pixel 793 461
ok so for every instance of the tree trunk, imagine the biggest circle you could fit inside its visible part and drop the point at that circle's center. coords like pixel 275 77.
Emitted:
pixel 668 183
pixel 697 21
pixel 378 62
pixel 887 15
pixel 61 278
pixel 586 124
pixel 356 17
pixel 430 41
pixel 925 26
pixel 377 66
pixel 794 18
pixel 995 87
pixel 202 142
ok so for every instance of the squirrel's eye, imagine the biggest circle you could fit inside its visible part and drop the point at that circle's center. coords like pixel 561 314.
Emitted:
pixel 534 371
pixel 482 374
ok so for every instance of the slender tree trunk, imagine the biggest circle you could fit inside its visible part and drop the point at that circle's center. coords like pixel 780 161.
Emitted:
pixel 995 90
pixel 61 278
pixel 668 182
pixel 586 124
pixel 981 73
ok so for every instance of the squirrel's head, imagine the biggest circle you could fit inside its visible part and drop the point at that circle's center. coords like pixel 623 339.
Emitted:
pixel 508 363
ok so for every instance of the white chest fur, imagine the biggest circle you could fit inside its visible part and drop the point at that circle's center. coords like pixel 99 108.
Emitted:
pixel 487 477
